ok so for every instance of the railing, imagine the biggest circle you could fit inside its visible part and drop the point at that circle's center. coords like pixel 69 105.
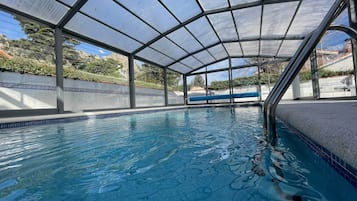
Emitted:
pixel 293 68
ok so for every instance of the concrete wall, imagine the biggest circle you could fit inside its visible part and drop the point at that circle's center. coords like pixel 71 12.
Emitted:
pixel 26 91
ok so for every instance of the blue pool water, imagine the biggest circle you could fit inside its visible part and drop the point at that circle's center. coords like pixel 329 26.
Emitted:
pixel 196 154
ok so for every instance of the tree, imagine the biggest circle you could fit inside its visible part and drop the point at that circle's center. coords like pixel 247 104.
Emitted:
pixel 198 81
pixel 154 74
pixel 103 67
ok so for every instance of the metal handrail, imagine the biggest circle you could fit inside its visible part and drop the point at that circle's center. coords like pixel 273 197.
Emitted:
pixel 293 68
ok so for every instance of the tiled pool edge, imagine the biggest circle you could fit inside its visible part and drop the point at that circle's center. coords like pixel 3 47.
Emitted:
pixel 344 169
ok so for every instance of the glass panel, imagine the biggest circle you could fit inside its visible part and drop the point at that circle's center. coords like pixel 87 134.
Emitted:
pixel 183 38
pixel 335 65
pixel 289 47
pixel 248 22
pixel 27 68
pixel 250 48
pixel 191 62
pixel 47 10
pixel 107 10
pixel 196 87
pixel 155 56
pixel 238 2
pixel 242 61
pixel 218 84
pixel 149 85
pixel 224 26
pixel 218 65
pixel 201 70
pixel 342 19
pixel 204 57
pixel 218 51
pixel 68 2
pixel 309 16
pixel 175 88
pixel 152 12
pixel 95 78
pixel 92 29
pixel 277 17
pixel 233 49
pixel 245 80
pixel 179 67
pixel 305 81
pixel 269 47
pixel 210 5
pixel 203 31
pixel 183 10
pixel 165 46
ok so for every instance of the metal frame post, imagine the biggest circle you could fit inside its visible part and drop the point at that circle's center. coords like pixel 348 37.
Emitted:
pixel 353 24
pixel 206 85
pixel 59 70
pixel 131 81
pixel 166 88
pixel 184 89
pixel 230 84
pixel 259 84
pixel 315 75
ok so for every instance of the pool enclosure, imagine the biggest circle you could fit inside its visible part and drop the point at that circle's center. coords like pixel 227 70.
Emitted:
pixel 166 51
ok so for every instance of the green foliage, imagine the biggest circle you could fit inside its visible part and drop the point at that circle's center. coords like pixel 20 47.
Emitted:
pixel 103 67
pixel 198 81
pixel 152 74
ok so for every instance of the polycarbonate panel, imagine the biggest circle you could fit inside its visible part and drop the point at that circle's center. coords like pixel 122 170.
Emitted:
pixel 309 16
pixel 277 17
pixel 248 22
pixel 204 57
pixel 155 56
pixel 68 2
pixel 114 15
pixel 152 12
pixel 213 4
pixel 165 46
pixel 250 48
pixel 219 65
pixel 191 62
pixel 183 10
pixel 289 47
pixel 179 67
pixel 47 10
pixel 218 51
pixel 233 49
pixel 184 39
pixel 92 29
pixel 269 47
pixel 201 70
pixel 203 31
pixel 240 2
pixel 224 26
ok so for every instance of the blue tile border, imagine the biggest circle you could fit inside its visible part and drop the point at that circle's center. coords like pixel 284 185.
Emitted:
pixel 343 168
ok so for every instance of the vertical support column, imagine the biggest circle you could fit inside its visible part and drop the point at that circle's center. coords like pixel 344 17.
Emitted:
pixel 59 70
pixel 296 87
pixel 131 81
pixel 352 9
pixel 314 76
pixel 259 83
pixel 185 89
pixel 206 85
pixel 230 84
pixel 165 88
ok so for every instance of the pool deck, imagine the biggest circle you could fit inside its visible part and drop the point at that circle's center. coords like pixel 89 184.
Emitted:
pixel 331 124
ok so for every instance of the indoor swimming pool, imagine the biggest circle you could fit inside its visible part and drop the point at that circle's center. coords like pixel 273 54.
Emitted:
pixel 213 153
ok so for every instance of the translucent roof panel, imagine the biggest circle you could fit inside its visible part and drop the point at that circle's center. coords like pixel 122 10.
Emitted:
pixel 106 10
pixel 51 11
pixel 204 57
pixel 68 2
pixel 289 47
pixel 239 2
pixel 224 26
pixel 152 12
pixel 167 47
pixel 152 55
pixel 233 49
pixel 179 67
pixel 277 17
pixel 184 39
pixel 309 16
pixel 92 29
pixel 203 31
pixel 201 70
pixel 241 62
pixel 219 65
pixel 218 51
pixel 191 62
pixel 269 47
pixel 250 48
pixel 248 22
pixel 210 4
pixel 183 10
